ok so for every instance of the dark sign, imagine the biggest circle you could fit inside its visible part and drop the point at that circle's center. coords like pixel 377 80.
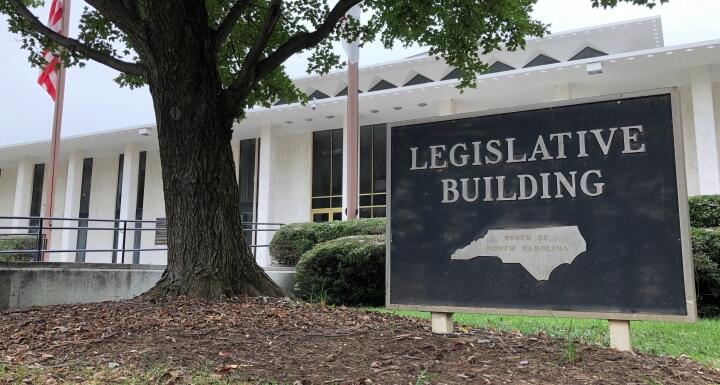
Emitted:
pixel 160 231
pixel 577 209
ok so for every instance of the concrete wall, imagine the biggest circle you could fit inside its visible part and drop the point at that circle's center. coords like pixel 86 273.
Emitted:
pixel 153 208
pixel 24 285
pixel 102 205
pixel 8 177
pixel 292 178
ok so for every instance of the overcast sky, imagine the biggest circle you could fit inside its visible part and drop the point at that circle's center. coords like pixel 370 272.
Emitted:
pixel 94 102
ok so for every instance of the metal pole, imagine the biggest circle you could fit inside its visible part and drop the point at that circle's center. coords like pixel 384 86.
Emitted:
pixel 57 126
pixel 352 142
pixel 123 243
pixel 39 255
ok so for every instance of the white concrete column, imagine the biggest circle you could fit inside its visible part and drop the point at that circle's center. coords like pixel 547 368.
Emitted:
pixel 235 145
pixel 562 92
pixel 265 188
pixel 447 107
pixel 73 185
pixel 128 198
pixel 705 134
pixel 23 194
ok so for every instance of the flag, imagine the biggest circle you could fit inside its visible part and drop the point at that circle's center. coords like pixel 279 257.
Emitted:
pixel 48 78
pixel 352 49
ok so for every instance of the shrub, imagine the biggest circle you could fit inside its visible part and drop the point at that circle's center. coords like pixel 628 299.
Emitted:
pixel 292 241
pixel 18 242
pixel 345 271
pixel 706 258
pixel 704 211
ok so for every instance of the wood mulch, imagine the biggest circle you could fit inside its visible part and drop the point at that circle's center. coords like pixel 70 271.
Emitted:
pixel 297 343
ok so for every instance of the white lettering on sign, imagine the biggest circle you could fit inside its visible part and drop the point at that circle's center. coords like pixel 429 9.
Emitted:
pixel 539 250
pixel 545 185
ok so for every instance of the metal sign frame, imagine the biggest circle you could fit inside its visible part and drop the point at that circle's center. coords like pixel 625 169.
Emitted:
pixel 687 262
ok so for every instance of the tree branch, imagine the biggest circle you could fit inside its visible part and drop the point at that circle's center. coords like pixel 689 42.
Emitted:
pixel 74 44
pixel 125 15
pixel 226 26
pixel 256 70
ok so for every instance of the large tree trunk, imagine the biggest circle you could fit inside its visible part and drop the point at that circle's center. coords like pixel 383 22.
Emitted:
pixel 208 256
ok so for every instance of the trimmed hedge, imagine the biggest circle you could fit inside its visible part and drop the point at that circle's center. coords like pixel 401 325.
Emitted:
pixel 704 211
pixel 17 242
pixel 345 271
pixel 706 258
pixel 291 241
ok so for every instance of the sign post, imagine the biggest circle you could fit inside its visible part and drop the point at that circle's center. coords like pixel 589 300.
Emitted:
pixel 572 210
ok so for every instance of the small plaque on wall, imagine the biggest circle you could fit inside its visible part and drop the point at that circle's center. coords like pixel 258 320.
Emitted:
pixel 160 231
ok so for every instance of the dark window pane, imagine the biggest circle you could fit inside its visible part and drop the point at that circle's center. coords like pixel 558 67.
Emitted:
pixel 320 203
pixel 36 195
pixel 82 233
pixel 379 200
pixel 118 202
pixel 365 213
pixel 336 201
pixel 337 162
pixel 139 205
pixel 366 149
pixel 379 156
pixel 378 212
pixel 337 216
pixel 322 161
pixel 247 170
pixel 365 200
pixel 320 217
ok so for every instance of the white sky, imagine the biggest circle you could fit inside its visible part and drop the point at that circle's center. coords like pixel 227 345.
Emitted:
pixel 94 102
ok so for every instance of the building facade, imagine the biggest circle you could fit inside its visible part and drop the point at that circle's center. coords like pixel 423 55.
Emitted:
pixel 290 157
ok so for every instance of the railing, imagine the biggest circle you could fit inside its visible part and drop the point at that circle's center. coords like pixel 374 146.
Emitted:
pixel 38 227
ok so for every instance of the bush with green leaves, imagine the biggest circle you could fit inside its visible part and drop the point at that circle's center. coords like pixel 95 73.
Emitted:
pixel 17 242
pixel 291 241
pixel 706 258
pixel 344 271
pixel 704 211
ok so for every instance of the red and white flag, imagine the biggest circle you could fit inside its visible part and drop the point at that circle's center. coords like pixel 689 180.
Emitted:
pixel 48 78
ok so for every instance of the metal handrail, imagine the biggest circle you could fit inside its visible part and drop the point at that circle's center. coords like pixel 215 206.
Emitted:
pixel 120 225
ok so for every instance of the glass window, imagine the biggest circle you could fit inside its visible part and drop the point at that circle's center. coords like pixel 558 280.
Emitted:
pixel 139 205
pixel 327 175
pixel 246 182
pixel 82 233
pixel 36 195
pixel 118 202
pixel 373 171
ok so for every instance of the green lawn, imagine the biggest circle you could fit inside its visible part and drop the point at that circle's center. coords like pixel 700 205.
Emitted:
pixel 699 341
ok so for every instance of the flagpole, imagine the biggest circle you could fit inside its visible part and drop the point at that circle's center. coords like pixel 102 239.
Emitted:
pixel 352 141
pixel 55 138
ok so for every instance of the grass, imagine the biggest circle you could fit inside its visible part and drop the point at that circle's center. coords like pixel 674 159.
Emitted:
pixel 699 341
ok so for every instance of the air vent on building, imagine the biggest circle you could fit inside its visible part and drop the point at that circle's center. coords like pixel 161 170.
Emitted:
pixel 344 92
pixel 382 85
pixel 418 79
pixel 318 95
pixel 499 66
pixel 454 74
pixel 587 53
pixel 541 60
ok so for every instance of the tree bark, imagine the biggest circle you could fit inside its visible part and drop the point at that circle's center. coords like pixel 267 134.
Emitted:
pixel 208 256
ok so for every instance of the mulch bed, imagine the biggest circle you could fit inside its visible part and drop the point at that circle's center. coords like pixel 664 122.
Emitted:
pixel 294 342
